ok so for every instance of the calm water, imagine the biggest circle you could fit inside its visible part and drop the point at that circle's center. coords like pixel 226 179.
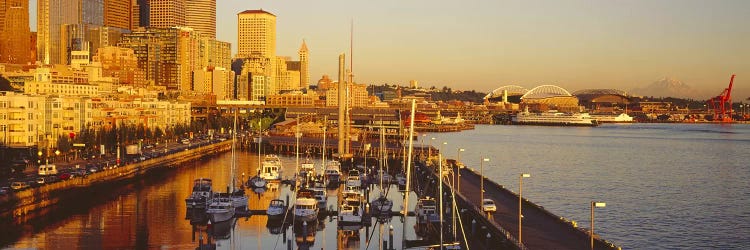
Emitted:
pixel 666 186
pixel 151 214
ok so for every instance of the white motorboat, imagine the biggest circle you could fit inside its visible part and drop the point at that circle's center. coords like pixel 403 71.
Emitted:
pixel 426 210
pixel 381 205
pixel 332 173
pixel 201 195
pixel 276 209
pixel 307 170
pixel 239 200
pixel 353 179
pixel 220 209
pixel 401 179
pixel 305 206
pixel 350 211
pixel 271 168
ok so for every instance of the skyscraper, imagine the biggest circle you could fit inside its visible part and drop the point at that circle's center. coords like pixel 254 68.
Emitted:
pixel 14 32
pixel 167 13
pixel 304 74
pixel 118 13
pixel 201 16
pixel 256 34
pixel 62 26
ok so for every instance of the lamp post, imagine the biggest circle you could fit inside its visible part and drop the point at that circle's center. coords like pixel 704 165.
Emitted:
pixel 430 148
pixel 458 170
pixel 57 154
pixel 422 143
pixel 520 193
pixel 591 232
pixel 440 189
pixel 481 180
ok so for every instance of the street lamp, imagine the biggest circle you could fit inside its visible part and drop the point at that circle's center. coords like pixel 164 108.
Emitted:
pixel 440 191
pixel 481 181
pixel 458 170
pixel 57 154
pixel 39 159
pixel 520 193
pixel 591 232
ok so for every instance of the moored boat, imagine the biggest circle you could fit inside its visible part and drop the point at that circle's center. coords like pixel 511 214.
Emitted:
pixel 305 206
pixel 201 195
pixel 271 168
pixel 276 209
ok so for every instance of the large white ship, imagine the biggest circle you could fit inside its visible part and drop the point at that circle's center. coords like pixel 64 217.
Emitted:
pixel 612 118
pixel 554 118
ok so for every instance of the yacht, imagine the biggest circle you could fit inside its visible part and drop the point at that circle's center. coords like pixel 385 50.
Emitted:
pixel 220 209
pixel 350 211
pixel 201 195
pixel 239 200
pixel 257 182
pixel 333 173
pixel 426 210
pixel 276 209
pixel 353 179
pixel 271 168
pixel 381 205
pixel 401 179
pixel 305 206
pixel 307 170
pixel 554 118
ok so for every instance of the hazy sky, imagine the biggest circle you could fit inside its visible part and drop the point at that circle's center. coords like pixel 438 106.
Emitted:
pixel 486 44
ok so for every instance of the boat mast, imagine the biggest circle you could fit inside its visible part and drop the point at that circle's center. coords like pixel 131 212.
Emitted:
pixel 234 138
pixel 325 123
pixel 260 141
pixel 408 171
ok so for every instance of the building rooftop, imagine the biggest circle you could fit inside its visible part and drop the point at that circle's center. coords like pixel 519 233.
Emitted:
pixel 260 11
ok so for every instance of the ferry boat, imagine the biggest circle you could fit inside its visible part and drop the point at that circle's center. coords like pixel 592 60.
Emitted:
pixel 333 173
pixel 201 195
pixel 612 118
pixel 554 118
pixel 220 209
pixel 305 206
pixel 271 168
pixel 426 210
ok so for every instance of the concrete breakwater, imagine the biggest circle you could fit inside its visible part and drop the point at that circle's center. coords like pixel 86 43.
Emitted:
pixel 22 205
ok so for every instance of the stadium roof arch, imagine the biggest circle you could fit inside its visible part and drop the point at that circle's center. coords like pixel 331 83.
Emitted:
pixel 546 91
pixel 512 90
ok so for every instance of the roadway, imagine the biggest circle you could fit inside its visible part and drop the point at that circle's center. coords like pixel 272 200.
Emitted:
pixel 540 230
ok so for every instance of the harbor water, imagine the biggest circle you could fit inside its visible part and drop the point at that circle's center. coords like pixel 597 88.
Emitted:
pixel 666 186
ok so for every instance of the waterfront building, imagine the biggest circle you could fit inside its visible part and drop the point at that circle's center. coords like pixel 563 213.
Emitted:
pixel 60 80
pixel 201 16
pixel 292 99
pixel 122 64
pixel 167 13
pixel 14 32
pixel 358 96
pixel 20 120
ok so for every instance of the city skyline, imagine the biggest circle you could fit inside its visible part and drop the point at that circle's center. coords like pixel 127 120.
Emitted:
pixel 483 45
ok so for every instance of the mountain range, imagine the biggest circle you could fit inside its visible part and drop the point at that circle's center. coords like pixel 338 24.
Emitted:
pixel 667 87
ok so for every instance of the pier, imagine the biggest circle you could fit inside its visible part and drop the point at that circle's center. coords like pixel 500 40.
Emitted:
pixel 541 228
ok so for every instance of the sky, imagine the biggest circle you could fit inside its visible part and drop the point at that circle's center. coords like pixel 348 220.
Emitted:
pixel 483 45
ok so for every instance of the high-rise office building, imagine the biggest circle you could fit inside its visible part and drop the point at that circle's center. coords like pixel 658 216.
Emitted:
pixel 118 14
pixel 65 19
pixel 167 13
pixel 256 34
pixel 14 31
pixel 201 16
pixel 304 74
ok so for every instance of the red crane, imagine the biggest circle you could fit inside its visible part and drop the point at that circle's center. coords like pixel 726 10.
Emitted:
pixel 722 104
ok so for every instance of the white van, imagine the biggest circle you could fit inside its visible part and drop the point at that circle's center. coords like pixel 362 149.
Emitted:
pixel 48 169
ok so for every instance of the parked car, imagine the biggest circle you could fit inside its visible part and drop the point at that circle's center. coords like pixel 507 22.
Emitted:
pixel 19 185
pixel 488 205
pixel 5 190
pixel 65 176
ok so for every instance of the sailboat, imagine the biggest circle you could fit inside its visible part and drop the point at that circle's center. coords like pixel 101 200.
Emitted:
pixel 382 204
pixel 223 205
pixel 239 200
pixel 258 182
